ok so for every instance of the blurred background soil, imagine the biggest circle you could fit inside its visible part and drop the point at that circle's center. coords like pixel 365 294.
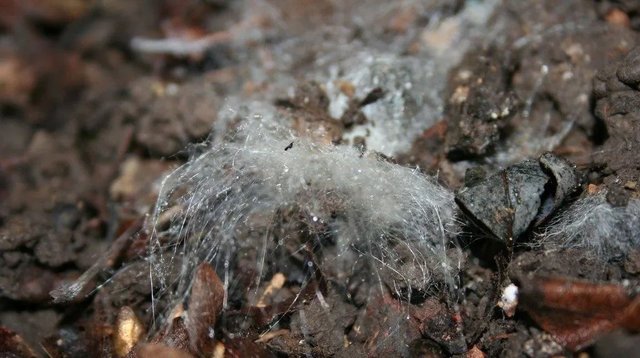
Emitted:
pixel 94 110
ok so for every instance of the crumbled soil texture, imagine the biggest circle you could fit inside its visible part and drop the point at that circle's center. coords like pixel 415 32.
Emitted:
pixel 89 126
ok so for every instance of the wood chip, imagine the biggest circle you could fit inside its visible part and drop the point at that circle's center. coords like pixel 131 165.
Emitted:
pixel 128 331
pixel 271 335
pixel 276 283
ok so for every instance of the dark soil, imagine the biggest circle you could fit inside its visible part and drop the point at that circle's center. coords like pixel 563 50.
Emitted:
pixel 89 127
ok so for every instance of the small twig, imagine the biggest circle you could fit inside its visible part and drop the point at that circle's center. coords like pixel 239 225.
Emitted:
pixel 178 46
pixel 69 292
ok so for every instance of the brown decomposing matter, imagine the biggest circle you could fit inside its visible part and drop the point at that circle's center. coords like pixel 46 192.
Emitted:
pixel 577 312
pixel 617 103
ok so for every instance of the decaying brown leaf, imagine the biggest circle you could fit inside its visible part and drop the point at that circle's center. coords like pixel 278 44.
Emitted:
pixel 577 312
pixel 205 304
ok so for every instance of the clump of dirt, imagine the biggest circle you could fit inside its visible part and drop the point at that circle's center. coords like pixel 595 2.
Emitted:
pixel 525 92
pixel 479 106
pixel 616 98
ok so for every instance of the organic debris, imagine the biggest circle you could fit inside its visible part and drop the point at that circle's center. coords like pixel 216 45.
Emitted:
pixel 128 332
pixel 509 202
pixel 204 307
pixel 578 312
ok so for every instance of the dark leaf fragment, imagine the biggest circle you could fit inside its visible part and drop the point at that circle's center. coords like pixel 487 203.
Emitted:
pixel 510 201
pixel 507 202
pixel 564 174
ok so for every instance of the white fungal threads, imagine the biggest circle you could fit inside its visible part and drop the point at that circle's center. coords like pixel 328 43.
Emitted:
pixel 397 218
pixel 595 225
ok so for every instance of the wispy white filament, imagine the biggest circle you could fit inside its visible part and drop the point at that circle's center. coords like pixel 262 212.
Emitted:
pixel 371 208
